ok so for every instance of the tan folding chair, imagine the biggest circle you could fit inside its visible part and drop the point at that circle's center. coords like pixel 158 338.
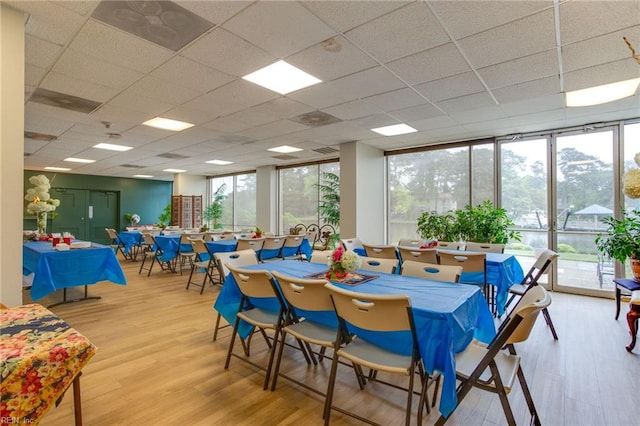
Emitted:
pixel 203 260
pixel 352 244
pixel 254 244
pixel 539 268
pixel 153 252
pixel 428 255
pixel 491 369
pixel 448 273
pixel 470 262
pixel 409 242
pixel 484 247
pixel 185 249
pixel 376 314
pixel 381 251
pixel 226 236
pixel 272 244
pixel 292 243
pixel 451 245
pixel 257 284
pixel 320 256
pixel 384 266
pixel 117 245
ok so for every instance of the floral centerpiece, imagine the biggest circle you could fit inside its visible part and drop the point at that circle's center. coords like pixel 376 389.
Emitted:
pixel 257 233
pixel 40 201
pixel 430 244
pixel 341 263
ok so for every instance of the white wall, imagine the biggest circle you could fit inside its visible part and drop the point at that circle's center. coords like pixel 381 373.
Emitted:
pixel 11 153
pixel 190 185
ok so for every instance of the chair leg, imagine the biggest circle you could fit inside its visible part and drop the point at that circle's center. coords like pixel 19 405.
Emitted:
pixel 278 360
pixel 547 318
pixel 330 387
pixel 233 339
pixel 527 396
pixel 504 400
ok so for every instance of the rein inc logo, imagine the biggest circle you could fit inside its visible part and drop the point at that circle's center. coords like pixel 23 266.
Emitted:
pixel 6 420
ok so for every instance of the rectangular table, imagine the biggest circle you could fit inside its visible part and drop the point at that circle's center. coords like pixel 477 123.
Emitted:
pixel 41 356
pixel 54 270
pixel 447 316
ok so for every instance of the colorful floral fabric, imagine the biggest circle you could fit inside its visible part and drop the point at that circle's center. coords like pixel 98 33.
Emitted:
pixel 40 355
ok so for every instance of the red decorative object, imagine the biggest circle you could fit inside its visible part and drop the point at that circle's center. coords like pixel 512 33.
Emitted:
pixel 430 244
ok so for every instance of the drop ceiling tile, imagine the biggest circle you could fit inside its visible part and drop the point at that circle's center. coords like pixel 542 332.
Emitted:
pixel 228 53
pixel 214 11
pixel 433 64
pixel 455 86
pixel 100 41
pixel 611 72
pixel 270 25
pixel 190 114
pixel 534 67
pixel 241 120
pixel 580 20
pixel 162 90
pixel 345 15
pixel 40 52
pixel 598 50
pixel 121 117
pixel 139 103
pixel 33 75
pixel 463 18
pixel 539 117
pixel 82 7
pixel 193 75
pixel 528 90
pixel 526 36
pixel 466 103
pixel 533 106
pixel 233 97
pixel 331 59
pixel 284 107
pixel 353 109
pixel 94 70
pixel 83 89
pixel 280 127
pixel 416 113
pixel 396 99
pixel 482 127
pixel 402 32
pixel 49 21
pixel 477 115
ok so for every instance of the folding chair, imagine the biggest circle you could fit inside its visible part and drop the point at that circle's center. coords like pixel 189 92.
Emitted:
pixel 448 273
pixel 204 260
pixel 151 250
pixel 485 247
pixel 428 255
pixel 117 245
pixel 378 314
pixel 384 266
pixel 409 242
pixel 254 244
pixel 451 245
pixel 353 244
pixel 185 249
pixel 272 248
pixel 474 265
pixel 490 369
pixel 539 268
pixel 381 251
pixel 320 256
pixel 291 247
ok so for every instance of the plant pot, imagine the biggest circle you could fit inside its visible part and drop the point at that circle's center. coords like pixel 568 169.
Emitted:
pixel 635 269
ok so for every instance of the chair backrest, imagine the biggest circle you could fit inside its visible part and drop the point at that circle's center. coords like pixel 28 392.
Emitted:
pixel 186 238
pixel 320 256
pixel 375 312
pixel 254 244
pixel 168 231
pixel 451 245
pixel 293 240
pixel 309 295
pixel 485 247
pixel 148 239
pixel 200 247
pixel 112 233
pixel 219 237
pixel 352 243
pixel 540 267
pixel 378 264
pixel 448 273
pixel 238 258
pixel 312 237
pixel 273 243
pixel 253 283
pixel 470 262
pixel 418 254
pixel 381 251
pixel 411 242
pixel 528 307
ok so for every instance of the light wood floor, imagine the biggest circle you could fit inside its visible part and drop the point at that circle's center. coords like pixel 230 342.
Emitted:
pixel 157 365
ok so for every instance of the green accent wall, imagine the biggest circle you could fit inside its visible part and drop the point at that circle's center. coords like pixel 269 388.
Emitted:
pixel 145 197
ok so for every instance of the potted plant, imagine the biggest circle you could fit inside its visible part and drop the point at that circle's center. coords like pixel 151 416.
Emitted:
pixel 485 223
pixel 622 240
pixel 442 227
pixel 213 212
pixel 164 219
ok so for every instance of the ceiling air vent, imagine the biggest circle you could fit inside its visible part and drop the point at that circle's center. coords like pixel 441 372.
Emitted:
pixel 315 119
pixel 173 156
pixel 325 150
pixel 285 157
pixel 132 166
pixel 62 100
pixel 43 137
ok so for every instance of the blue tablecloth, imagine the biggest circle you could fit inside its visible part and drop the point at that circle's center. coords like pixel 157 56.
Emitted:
pixel 305 248
pixel 54 269
pixel 129 239
pixel 169 245
pixel 447 316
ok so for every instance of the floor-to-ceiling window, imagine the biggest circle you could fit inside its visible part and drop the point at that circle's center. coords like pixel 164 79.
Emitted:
pixel 239 203
pixel 300 195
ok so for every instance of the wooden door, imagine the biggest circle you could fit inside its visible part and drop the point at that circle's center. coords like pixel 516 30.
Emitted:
pixel 70 216
pixel 103 213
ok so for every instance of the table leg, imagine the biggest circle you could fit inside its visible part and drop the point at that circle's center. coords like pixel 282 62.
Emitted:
pixel 65 301
pixel 632 319
pixel 77 400
pixel 618 296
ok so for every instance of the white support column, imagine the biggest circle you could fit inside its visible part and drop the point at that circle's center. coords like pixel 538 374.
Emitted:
pixel 362 192
pixel 11 153
pixel 266 198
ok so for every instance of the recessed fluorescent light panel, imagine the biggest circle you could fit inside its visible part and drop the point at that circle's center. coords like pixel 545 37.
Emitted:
pixel 79 160
pixel 602 94
pixel 174 170
pixel 282 78
pixel 112 147
pixel 167 124
pixel 142 176
pixel 219 162
pixel 284 149
pixel 57 169
pixel 396 129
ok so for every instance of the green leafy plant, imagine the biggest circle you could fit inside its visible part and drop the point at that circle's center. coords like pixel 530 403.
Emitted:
pixel 213 212
pixel 439 226
pixel 622 238
pixel 329 206
pixel 164 219
pixel 485 223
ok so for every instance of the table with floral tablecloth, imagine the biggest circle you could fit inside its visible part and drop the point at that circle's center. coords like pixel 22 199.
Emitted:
pixel 40 357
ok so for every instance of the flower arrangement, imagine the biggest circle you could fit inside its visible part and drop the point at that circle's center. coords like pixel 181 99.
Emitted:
pixel 257 233
pixel 430 244
pixel 342 262
pixel 631 180
pixel 40 201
